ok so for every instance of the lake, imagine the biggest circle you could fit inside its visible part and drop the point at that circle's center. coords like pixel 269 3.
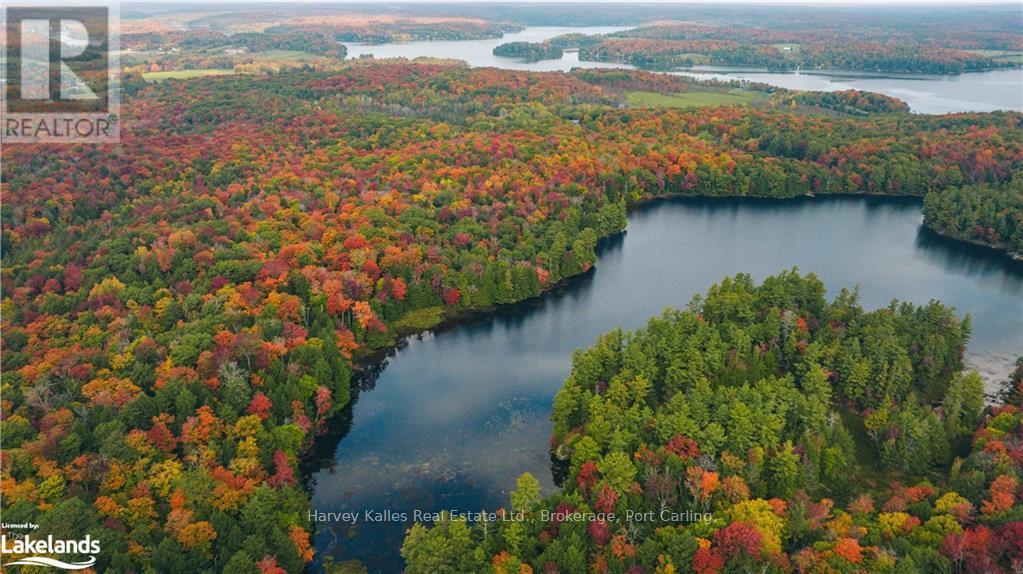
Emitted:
pixel 925 93
pixel 479 53
pixel 928 94
pixel 456 415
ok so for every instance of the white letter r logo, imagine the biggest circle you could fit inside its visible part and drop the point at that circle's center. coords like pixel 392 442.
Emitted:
pixel 35 60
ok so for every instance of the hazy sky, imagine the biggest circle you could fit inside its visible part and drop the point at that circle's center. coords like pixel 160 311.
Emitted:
pixel 392 2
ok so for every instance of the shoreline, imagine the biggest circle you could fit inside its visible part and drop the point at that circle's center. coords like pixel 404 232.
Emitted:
pixel 367 366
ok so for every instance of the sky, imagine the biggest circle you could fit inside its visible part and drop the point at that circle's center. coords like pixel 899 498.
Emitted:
pixel 708 2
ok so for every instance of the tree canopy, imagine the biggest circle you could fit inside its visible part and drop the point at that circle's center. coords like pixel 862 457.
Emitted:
pixel 764 428
pixel 182 310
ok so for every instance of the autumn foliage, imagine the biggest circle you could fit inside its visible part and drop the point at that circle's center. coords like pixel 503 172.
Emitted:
pixel 181 311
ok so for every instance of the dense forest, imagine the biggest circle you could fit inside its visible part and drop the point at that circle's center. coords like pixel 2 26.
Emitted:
pixel 764 429
pixel 660 46
pixel 386 29
pixel 979 213
pixel 337 22
pixel 181 311
pixel 259 42
pixel 529 51
pixel 945 40
pixel 668 45
pixel 990 26
pixel 203 40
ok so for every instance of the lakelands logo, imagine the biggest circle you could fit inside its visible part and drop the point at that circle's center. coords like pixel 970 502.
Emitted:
pixel 60 73
pixel 49 545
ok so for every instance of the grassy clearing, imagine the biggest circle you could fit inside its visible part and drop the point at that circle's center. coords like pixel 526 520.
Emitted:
pixel 691 99
pixel 183 74
pixel 285 56
pixel 420 319
pixel 1014 56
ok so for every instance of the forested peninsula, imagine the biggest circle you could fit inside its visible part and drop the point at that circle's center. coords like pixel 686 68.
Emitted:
pixel 766 429
pixel 529 51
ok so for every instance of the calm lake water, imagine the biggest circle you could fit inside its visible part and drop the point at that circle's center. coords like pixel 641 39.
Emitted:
pixel 928 94
pixel 455 416
pixel 479 53
pixel 925 93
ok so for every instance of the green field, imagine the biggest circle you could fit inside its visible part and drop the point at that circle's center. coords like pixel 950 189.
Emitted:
pixel 691 99
pixel 286 56
pixel 183 74
pixel 421 319
pixel 1016 57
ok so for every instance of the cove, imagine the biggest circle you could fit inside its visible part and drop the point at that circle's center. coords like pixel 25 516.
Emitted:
pixel 450 420
pixel 925 93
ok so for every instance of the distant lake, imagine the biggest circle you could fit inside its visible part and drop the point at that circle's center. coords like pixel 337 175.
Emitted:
pixel 479 53
pixel 925 93
pixel 455 416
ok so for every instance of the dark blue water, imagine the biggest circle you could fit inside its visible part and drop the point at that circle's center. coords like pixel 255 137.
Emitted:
pixel 455 416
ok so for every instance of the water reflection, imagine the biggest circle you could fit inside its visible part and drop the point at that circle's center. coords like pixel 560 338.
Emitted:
pixel 456 415
pixel 966 258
